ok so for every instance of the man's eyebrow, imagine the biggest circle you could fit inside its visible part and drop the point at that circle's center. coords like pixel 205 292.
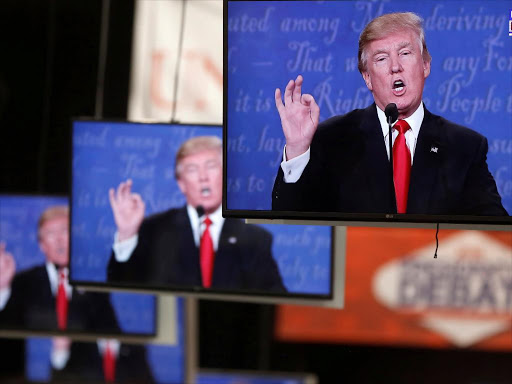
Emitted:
pixel 401 45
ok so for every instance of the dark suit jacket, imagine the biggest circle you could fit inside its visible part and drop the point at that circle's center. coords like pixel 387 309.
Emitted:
pixel 32 306
pixel 166 255
pixel 85 365
pixel 349 171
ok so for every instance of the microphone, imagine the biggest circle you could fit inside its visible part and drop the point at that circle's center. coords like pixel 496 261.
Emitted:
pixel 200 211
pixel 391 112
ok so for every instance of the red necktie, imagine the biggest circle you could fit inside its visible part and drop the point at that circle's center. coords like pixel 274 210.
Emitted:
pixel 206 255
pixel 401 166
pixel 62 303
pixel 109 364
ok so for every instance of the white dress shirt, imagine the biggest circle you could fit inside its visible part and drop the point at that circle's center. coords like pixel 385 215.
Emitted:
pixel 124 249
pixel 293 168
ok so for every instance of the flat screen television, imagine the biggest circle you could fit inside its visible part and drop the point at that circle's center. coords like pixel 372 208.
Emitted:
pixel 85 361
pixel 461 123
pixel 141 193
pixel 35 297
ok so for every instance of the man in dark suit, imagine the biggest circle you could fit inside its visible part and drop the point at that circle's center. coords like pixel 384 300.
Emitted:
pixel 30 299
pixel 87 362
pixel 343 166
pixel 170 249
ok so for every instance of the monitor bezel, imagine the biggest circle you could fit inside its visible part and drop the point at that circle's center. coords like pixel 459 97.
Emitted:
pixel 336 254
pixel 338 218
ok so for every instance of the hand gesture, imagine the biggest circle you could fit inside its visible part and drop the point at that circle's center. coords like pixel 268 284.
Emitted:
pixel 7 267
pixel 299 117
pixel 128 209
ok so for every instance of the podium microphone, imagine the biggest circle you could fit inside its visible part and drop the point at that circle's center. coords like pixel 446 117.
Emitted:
pixel 391 112
pixel 200 213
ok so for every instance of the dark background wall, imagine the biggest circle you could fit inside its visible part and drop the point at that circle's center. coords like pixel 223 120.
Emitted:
pixel 48 74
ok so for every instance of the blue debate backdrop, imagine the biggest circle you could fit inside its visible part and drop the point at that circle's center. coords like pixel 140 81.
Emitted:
pixel 19 216
pixel 167 363
pixel 271 42
pixel 107 153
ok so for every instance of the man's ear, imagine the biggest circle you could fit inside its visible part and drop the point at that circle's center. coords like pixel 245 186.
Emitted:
pixel 426 68
pixel 367 80
pixel 182 186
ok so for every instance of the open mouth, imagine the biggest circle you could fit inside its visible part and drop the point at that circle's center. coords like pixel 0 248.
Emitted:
pixel 398 87
pixel 206 192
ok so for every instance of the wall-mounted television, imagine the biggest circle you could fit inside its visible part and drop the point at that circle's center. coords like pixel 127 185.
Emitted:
pixel 297 73
pixel 147 214
pixel 35 294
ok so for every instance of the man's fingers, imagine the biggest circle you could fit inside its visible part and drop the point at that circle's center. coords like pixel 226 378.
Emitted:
pixel 279 101
pixel 112 198
pixel 137 199
pixel 298 89
pixel 315 110
pixel 118 191
pixel 2 247
pixel 288 92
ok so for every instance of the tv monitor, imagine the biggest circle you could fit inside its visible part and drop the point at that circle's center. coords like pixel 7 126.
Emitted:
pixel 33 297
pixel 84 361
pixel 461 169
pixel 208 376
pixel 137 221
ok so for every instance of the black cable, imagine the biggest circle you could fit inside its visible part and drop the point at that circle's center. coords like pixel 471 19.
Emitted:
pixel 437 241
pixel 178 61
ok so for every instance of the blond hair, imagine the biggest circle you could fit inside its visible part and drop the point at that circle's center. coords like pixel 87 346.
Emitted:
pixel 51 213
pixel 196 145
pixel 387 24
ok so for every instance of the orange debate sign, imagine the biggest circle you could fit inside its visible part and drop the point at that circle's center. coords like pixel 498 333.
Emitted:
pixel 397 293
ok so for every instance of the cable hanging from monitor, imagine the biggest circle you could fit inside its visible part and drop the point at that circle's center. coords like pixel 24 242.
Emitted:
pixel 437 240
pixel 178 62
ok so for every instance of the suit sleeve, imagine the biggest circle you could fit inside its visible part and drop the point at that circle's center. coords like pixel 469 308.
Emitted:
pixel 135 270
pixel 481 196
pixel 263 270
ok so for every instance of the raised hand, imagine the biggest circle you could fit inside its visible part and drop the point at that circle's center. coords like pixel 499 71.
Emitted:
pixel 7 267
pixel 299 117
pixel 128 209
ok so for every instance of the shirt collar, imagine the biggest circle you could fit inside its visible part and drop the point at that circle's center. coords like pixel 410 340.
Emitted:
pixel 53 276
pixel 215 217
pixel 414 120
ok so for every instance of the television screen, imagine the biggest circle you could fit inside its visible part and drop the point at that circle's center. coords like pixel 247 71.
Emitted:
pixel 253 377
pixel 321 77
pixel 62 360
pixel 35 294
pixel 146 214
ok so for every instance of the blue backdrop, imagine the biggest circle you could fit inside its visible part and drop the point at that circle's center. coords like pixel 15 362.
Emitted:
pixel 18 229
pixel 271 42
pixel 167 363
pixel 106 153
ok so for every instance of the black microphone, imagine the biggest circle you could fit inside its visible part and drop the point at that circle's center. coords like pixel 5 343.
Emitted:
pixel 391 112
pixel 200 211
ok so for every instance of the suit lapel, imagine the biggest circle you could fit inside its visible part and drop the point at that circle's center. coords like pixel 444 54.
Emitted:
pixel 225 257
pixel 379 170
pixel 188 253
pixel 427 157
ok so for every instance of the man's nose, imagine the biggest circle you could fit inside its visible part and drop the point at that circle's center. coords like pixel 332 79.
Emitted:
pixel 395 65
pixel 203 174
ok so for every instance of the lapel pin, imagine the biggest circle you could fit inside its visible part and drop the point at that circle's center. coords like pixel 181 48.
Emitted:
pixel 434 149
pixel 232 240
